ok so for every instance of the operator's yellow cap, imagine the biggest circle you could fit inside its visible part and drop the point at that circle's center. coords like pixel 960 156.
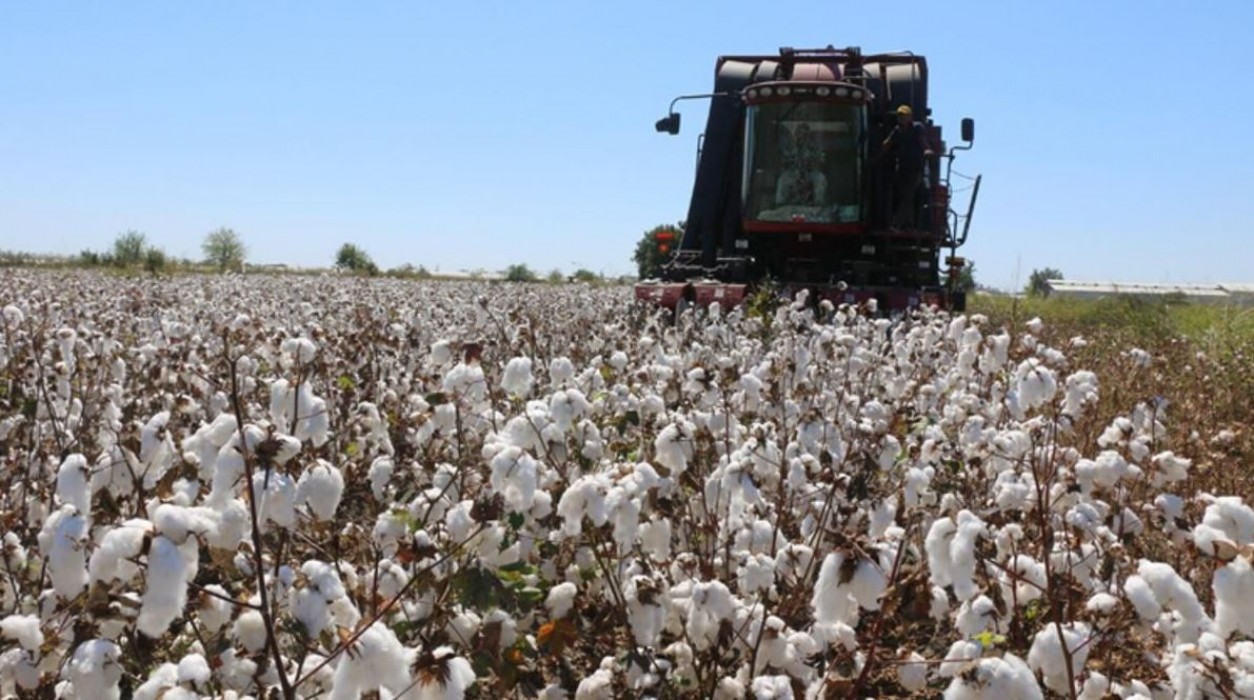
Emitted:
pixel 905 109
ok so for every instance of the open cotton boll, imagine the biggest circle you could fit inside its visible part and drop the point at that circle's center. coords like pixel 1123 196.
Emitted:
pixel 1005 678
pixel 63 542
pixel 1046 655
pixel 111 558
pixel 515 476
pixel 1234 598
pixel 561 599
pixel 379 474
pixel 771 688
pixel 561 369
pixel 13 317
pixel 94 670
pixel 193 670
pixel 301 349
pixel 160 681
pixel 447 678
pixel 912 672
pixel 517 379
pixel 1173 592
pixel 170 568
pixel 214 610
pixel 1228 523
pixel 375 661
pixel 74 483
pixel 674 447
pixel 320 488
pixel 24 629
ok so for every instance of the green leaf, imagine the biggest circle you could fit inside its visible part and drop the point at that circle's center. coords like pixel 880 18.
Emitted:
pixel 477 589
pixel 345 382
pixel 516 521
pixel 531 596
pixel 989 639
pixel 436 398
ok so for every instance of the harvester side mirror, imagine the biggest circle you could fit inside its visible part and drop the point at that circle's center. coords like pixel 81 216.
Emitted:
pixel 669 123
pixel 968 129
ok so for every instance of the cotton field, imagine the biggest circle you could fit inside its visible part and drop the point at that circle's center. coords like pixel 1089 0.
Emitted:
pixel 327 487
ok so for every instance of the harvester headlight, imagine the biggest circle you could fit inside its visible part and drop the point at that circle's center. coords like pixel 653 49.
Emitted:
pixel 823 91
pixel 766 92
pixel 753 94
pixel 842 92
pixel 857 94
pixel 784 91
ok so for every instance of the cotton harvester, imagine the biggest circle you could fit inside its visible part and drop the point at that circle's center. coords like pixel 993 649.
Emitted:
pixel 796 187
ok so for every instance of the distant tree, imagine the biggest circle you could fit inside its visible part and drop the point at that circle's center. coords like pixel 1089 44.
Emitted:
pixel 128 248
pixel 224 249
pixel 519 273
pixel 89 257
pixel 651 253
pixel 154 260
pixel 966 278
pixel 352 258
pixel 1038 282
pixel 556 276
pixel 583 275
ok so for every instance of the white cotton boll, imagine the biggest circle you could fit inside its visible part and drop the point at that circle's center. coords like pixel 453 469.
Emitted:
pixel 960 655
pixel 164 678
pixel 1102 604
pixel 63 541
pixel 1175 593
pixel 757 574
pixel 193 670
pixel 277 502
pixel 561 599
pixel 912 673
pixel 655 539
pixel 772 688
pixel 457 675
pixel 585 497
pixel 214 610
pixel 111 559
pixel 598 686
pixel 1228 520
pixel 1081 392
pixel 517 379
pixel 320 488
pixel 937 544
pixel 674 447
pixel 13 317
pixel 831 601
pixel 868 584
pixel 1005 678
pixel 249 631
pixel 1142 598
pixel 561 370
pixel 1046 655
pixel 95 671
pixel 1234 598
pixel 977 615
pixel 73 483
pixel 1168 469
pixel 24 629
pixel 939 609
pixel 441 352
pixel 644 611
pixel 379 474
pixel 515 475
pixel 170 568
pixel 376 661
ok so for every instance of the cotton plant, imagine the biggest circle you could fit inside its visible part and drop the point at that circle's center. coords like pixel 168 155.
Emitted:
pixel 747 506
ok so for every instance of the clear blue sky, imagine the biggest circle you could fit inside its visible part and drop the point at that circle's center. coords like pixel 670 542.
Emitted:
pixel 1115 137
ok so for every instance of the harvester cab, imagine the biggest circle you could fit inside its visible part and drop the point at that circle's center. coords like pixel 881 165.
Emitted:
pixel 820 170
